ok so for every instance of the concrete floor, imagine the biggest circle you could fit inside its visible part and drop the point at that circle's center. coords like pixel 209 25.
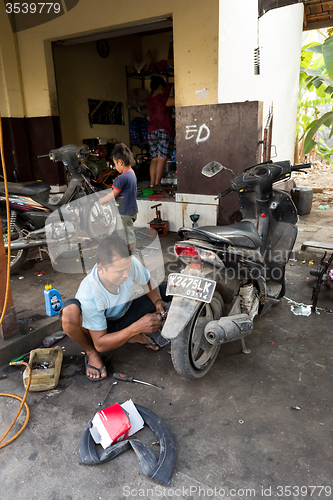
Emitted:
pixel 236 431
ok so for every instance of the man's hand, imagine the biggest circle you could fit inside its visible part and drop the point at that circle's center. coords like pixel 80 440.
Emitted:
pixel 149 323
pixel 160 305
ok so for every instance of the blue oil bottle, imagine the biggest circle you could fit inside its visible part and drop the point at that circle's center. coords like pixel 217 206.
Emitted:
pixel 53 300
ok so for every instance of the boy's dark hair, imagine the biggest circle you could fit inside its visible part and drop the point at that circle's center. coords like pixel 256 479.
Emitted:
pixel 122 152
pixel 110 248
pixel 156 81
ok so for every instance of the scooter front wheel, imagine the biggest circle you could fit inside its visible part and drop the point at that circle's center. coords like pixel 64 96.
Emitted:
pixel 191 354
pixel 17 257
pixel 101 221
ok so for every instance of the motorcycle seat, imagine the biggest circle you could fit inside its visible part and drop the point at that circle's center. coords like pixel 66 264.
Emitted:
pixel 31 188
pixel 242 234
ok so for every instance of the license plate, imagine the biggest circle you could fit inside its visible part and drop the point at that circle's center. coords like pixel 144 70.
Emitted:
pixel 191 287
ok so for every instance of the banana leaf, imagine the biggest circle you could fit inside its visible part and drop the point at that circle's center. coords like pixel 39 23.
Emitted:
pixel 328 55
pixel 309 143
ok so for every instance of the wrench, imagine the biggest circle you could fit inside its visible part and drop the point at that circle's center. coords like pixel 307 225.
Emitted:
pixel 101 403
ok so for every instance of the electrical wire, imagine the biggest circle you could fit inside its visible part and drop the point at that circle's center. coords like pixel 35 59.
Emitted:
pixel 103 176
pixel 23 403
pixel 8 223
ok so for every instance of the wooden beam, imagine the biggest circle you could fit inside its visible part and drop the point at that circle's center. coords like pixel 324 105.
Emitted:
pixel 320 24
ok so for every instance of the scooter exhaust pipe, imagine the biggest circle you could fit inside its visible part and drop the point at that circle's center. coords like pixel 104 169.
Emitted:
pixel 228 328
pixel 21 245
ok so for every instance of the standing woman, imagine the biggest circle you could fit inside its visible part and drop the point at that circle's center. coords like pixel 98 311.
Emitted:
pixel 161 130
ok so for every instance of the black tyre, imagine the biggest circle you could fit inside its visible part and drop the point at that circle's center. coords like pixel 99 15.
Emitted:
pixel 283 289
pixel 101 221
pixel 191 354
pixel 17 257
pixel 283 284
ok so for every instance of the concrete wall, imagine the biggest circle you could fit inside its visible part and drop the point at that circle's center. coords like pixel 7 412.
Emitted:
pixel 11 102
pixel 195 45
pixel 158 44
pixel 28 77
pixel 81 75
pixel 178 214
pixel 280 41
pixel 213 56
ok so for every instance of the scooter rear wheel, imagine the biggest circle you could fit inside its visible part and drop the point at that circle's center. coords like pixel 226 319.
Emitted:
pixel 17 257
pixel 192 355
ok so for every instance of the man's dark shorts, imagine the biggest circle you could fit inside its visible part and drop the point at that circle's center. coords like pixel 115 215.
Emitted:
pixel 139 308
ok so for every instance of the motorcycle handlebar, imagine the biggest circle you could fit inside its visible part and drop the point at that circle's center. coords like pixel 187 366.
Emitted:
pixel 295 168
pixel 262 176
pixel 70 152
pixel 224 193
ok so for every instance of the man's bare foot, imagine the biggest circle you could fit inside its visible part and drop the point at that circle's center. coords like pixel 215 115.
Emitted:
pixel 96 369
pixel 141 338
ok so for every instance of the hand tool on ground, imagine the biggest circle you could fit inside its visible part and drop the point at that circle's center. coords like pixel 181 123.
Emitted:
pixel 101 403
pixel 126 378
pixel 13 361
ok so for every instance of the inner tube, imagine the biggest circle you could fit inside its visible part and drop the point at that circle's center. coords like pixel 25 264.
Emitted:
pixel 160 470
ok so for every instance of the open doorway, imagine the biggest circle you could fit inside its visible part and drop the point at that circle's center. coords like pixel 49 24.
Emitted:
pixel 102 83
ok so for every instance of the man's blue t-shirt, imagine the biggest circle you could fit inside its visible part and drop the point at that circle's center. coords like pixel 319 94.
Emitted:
pixel 126 200
pixel 98 304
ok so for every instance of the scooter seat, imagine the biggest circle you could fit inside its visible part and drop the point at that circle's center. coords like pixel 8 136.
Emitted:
pixel 31 188
pixel 242 234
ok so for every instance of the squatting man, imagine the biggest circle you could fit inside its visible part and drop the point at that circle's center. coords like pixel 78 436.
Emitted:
pixel 103 316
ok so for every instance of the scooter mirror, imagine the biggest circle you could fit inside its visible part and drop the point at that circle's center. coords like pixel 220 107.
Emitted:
pixel 212 169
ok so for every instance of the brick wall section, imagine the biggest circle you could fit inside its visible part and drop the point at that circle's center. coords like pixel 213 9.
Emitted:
pixel 318 11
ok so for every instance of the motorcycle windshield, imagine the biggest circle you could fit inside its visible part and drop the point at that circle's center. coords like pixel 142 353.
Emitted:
pixel 74 232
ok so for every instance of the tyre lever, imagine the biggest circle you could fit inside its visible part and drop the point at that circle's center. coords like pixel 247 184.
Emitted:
pixel 101 403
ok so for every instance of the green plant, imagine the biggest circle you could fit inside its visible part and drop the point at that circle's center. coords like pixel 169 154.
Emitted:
pixel 324 150
pixel 316 76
